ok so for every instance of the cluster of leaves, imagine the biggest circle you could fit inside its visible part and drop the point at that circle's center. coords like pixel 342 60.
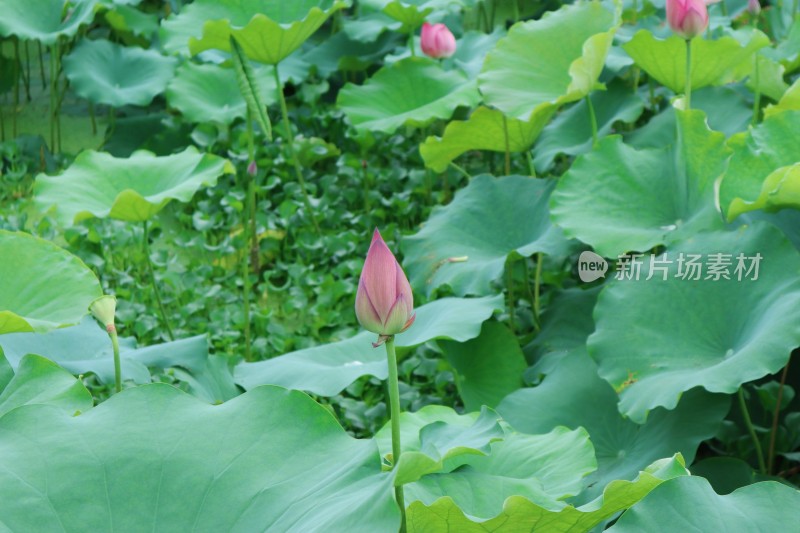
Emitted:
pixel 176 178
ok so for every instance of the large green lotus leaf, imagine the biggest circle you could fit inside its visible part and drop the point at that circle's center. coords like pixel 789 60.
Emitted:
pixel 209 92
pixel 769 80
pixel 472 49
pixel 488 367
pixel 465 244
pixel 757 154
pixel 520 514
pixel 550 61
pixel 713 62
pixel 727 110
pixel 326 370
pixel 42 286
pixel 124 18
pixel 86 348
pixel 267 30
pixel 780 190
pixel 414 92
pixel 134 189
pixel 436 434
pixel 543 469
pixel 39 381
pixel 154 455
pixel 622 447
pixel 485 129
pixel 618 199
pixel 789 101
pixel 107 73
pixel 566 322
pixel 714 333
pixel 689 501
pixel 570 132
pixel 41 20
pixel 410 13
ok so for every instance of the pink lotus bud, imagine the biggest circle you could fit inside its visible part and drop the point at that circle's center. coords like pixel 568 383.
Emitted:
pixel 687 18
pixel 753 7
pixel 252 168
pixel 384 303
pixel 437 41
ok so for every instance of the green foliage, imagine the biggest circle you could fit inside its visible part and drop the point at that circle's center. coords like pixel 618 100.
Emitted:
pixel 553 145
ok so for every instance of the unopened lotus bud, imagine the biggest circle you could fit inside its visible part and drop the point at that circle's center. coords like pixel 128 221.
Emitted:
pixel 687 18
pixel 437 41
pixel 384 303
pixel 103 309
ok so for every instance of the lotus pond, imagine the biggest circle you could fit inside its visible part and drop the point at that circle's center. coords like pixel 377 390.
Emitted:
pixel 580 310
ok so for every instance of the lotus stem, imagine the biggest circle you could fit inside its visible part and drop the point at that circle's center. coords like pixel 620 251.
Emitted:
pixel 775 416
pixel 757 97
pixel 749 424
pixel 592 119
pixel 511 299
pixel 461 170
pixel 394 414
pixel 531 167
pixel 153 283
pixel 112 333
pixel 508 146
pixel 17 76
pixel 411 44
pixel 536 289
pixel 248 219
pixel 290 146
pixel 688 90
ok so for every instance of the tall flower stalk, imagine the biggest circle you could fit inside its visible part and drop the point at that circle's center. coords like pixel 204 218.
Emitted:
pixel 385 305
pixel 688 19
pixel 104 309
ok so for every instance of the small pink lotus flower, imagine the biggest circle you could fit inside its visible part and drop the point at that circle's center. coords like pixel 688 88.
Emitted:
pixel 436 41
pixel 754 7
pixel 687 18
pixel 384 303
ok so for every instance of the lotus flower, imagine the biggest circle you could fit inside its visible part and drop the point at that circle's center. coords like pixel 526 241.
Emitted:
pixel 384 303
pixel 753 7
pixel 436 41
pixel 687 18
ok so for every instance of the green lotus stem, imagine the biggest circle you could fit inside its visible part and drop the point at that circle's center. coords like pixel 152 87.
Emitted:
pixel 508 146
pixel 652 90
pixel 757 98
pixel 510 288
pixel 249 232
pixel 531 167
pixel 290 146
pixel 156 292
pixel 53 96
pixel 775 416
pixel 92 117
pixel 112 333
pixel 394 414
pixel 536 289
pixel 2 125
pixel 688 91
pixel 749 424
pixel 411 43
pixel 592 119
pixel 461 170
pixel 41 65
pixel 16 100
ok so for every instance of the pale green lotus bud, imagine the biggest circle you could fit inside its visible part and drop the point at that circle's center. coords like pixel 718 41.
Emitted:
pixel 103 309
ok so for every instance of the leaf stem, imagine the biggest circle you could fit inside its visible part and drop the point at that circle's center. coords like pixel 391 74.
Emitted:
pixel 149 262
pixel 508 146
pixel 756 78
pixel 592 119
pixel 688 90
pixel 536 289
pixel 749 424
pixel 775 417
pixel 112 333
pixel 461 170
pixel 394 413
pixel 290 145
pixel 531 167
